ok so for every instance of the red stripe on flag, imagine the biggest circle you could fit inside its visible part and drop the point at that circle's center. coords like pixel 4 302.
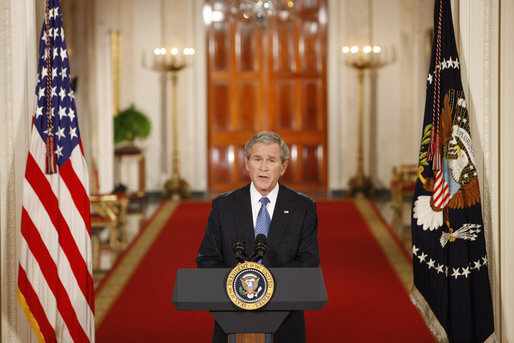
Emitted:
pixel 34 306
pixel 49 270
pixel 47 197
pixel 77 191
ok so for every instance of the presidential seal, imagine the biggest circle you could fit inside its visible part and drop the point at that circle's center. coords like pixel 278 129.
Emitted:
pixel 250 285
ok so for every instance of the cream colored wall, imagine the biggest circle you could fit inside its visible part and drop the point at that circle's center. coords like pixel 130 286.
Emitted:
pixel 506 184
pixel 393 95
pixel 144 26
pixel 17 83
pixel 485 38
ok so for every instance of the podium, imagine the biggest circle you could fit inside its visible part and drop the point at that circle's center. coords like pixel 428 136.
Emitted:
pixel 204 290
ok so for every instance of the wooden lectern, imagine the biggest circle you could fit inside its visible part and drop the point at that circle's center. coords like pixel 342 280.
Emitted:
pixel 204 290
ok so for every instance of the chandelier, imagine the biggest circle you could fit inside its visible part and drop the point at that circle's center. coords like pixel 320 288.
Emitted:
pixel 260 10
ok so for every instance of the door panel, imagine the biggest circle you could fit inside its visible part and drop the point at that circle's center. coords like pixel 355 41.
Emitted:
pixel 275 81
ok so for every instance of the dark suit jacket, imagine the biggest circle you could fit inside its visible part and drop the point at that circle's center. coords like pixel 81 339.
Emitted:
pixel 292 242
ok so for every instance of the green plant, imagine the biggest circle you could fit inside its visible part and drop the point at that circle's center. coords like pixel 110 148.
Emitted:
pixel 129 124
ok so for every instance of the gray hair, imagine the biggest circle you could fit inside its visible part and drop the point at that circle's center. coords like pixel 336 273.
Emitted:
pixel 267 137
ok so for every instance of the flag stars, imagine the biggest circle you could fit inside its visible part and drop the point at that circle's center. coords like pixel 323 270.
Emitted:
pixel 45 55
pixel 71 114
pixel 56 53
pixel 431 264
pixel 73 133
pixel 48 132
pixel 54 73
pixel 44 72
pixel 484 260
pixel 456 273
pixel 415 250
pixel 429 78
pixel 477 265
pixel 62 112
pixel 62 94
pixel 58 151
pixel 465 272
pixel 64 54
pixel 53 12
pixel 39 111
pixel 54 91
pixel 64 72
pixel 422 257
pixel 41 93
pixel 439 268
pixel 60 133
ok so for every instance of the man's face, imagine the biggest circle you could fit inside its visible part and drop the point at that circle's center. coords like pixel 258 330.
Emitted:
pixel 265 166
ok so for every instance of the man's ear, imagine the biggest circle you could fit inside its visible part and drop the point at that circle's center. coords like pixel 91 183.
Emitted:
pixel 284 167
pixel 246 164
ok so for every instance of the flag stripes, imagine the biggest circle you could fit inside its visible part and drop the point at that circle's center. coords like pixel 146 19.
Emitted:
pixel 55 284
pixel 38 181
pixel 441 191
pixel 41 327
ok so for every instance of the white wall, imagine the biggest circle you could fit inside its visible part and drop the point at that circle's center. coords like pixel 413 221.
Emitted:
pixel 17 84
pixel 506 184
pixel 144 26
pixel 393 95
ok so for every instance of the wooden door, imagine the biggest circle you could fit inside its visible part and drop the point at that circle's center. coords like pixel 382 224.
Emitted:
pixel 273 80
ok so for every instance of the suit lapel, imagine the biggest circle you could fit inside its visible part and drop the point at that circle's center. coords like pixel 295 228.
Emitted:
pixel 279 222
pixel 243 219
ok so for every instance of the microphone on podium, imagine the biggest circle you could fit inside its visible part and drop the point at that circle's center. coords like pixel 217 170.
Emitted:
pixel 239 247
pixel 261 245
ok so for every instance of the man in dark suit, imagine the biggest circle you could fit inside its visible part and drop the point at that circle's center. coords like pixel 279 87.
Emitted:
pixel 292 237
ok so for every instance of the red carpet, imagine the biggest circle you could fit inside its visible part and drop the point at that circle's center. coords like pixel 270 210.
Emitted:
pixel 367 302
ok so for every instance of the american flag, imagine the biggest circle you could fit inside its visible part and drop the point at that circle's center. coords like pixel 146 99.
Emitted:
pixel 55 286
pixel 450 264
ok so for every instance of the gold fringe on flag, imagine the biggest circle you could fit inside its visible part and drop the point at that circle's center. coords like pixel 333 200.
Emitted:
pixel 30 317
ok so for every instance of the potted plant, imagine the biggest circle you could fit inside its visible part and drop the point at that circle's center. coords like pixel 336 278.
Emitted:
pixel 130 124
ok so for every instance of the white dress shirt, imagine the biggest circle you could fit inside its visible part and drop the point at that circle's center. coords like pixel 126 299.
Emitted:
pixel 255 198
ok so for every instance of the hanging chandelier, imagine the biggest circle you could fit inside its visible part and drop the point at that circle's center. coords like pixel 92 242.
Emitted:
pixel 261 10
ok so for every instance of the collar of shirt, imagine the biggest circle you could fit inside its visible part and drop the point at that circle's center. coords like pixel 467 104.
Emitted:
pixel 255 198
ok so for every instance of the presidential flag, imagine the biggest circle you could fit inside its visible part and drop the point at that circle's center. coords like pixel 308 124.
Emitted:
pixel 451 282
pixel 55 287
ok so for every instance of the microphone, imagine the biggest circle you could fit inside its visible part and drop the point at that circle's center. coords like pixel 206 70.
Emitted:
pixel 260 247
pixel 239 247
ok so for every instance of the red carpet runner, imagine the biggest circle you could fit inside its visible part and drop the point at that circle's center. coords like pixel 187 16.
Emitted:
pixel 367 302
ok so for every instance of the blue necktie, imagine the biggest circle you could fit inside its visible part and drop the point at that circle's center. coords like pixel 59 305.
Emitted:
pixel 263 219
